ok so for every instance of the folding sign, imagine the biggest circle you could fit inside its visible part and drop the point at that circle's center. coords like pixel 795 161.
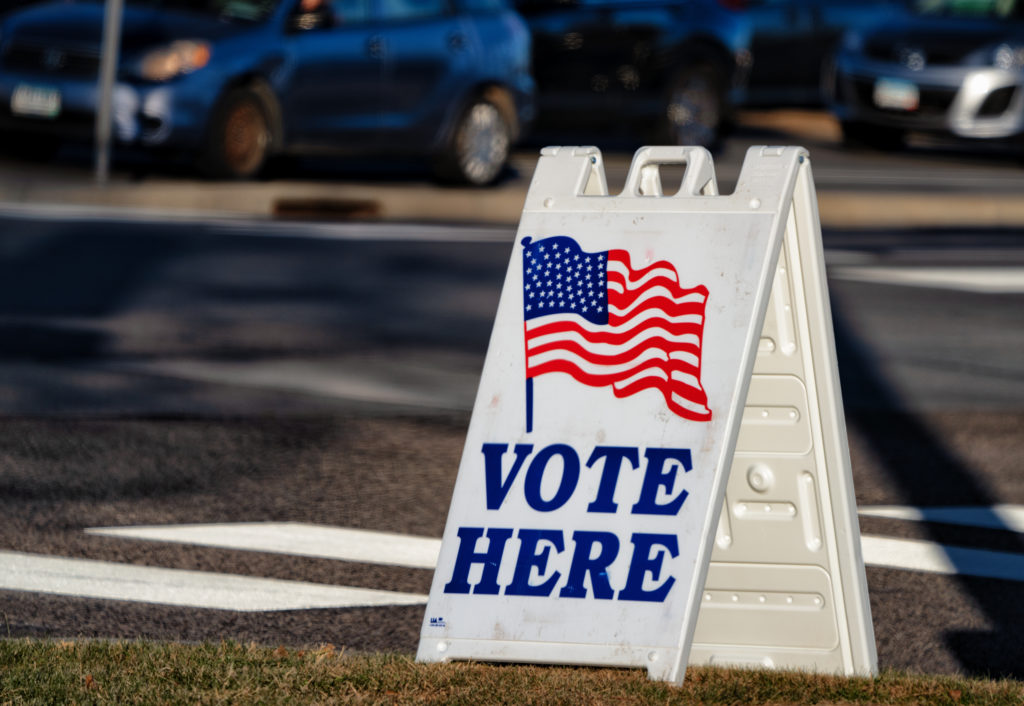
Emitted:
pixel 603 435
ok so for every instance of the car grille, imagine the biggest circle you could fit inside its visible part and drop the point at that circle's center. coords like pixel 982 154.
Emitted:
pixel 933 100
pixel 935 54
pixel 52 60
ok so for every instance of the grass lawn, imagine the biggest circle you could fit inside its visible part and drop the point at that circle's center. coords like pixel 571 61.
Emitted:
pixel 88 672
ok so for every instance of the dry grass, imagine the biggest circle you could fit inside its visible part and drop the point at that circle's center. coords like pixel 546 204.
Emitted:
pixel 92 672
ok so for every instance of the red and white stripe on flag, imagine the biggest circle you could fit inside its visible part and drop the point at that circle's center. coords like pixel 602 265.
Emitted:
pixel 652 340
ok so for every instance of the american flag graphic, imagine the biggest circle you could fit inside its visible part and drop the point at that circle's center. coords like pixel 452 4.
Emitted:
pixel 594 317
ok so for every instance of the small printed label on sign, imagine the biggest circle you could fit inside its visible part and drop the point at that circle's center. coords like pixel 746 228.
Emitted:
pixel 896 94
pixel 36 101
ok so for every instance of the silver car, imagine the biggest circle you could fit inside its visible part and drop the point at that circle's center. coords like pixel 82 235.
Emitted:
pixel 954 67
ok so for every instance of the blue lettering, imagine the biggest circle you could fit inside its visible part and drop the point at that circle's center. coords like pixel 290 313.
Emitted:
pixel 535 474
pixel 540 551
pixel 660 475
pixel 467 556
pixel 529 558
pixel 656 476
pixel 613 457
pixel 497 491
pixel 583 563
pixel 642 563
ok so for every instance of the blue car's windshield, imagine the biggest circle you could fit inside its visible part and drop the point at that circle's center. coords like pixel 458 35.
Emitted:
pixel 984 9
pixel 251 10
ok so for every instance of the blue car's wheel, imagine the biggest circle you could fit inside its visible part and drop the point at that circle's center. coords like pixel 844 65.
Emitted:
pixel 479 147
pixel 239 138
pixel 694 111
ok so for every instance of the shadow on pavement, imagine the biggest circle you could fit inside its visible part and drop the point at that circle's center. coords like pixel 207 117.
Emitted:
pixel 926 473
pixel 76 270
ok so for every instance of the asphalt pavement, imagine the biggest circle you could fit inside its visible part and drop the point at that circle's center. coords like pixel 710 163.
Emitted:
pixel 175 352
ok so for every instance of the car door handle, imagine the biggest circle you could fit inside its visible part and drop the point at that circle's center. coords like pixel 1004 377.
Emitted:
pixel 375 47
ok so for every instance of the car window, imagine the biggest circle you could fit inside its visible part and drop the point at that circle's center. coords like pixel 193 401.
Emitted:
pixel 399 10
pixel 350 11
pixel 996 9
pixel 245 10
pixel 482 5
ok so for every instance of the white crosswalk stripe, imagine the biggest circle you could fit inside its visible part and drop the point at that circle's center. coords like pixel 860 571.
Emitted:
pixel 108 580
pixel 297 539
pixel 930 557
pixel 1004 517
pixel 87 578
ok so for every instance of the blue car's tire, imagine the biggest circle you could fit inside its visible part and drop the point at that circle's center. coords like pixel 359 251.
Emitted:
pixel 695 107
pixel 479 147
pixel 239 137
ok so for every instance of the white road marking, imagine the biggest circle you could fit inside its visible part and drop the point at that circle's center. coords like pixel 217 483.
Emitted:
pixel 249 225
pixel 87 578
pixel 297 539
pixel 421 552
pixel 1005 517
pixel 436 389
pixel 930 557
pixel 978 280
pixel 107 580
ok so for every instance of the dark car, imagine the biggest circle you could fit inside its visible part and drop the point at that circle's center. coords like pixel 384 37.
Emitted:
pixel 235 82
pixel 793 43
pixel 953 67
pixel 7 6
pixel 671 69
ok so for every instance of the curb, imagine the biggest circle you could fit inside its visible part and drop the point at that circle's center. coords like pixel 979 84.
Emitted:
pixel 499 206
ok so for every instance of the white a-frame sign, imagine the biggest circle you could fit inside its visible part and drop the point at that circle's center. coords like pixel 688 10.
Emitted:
pixel 657 458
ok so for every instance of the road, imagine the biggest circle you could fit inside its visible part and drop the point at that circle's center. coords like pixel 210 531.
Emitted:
pixel 237 371
pixel 924 183
pixel 919 168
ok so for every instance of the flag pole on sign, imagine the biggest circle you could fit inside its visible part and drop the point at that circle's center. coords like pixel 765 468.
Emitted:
pixel 529 378
pixel 529 405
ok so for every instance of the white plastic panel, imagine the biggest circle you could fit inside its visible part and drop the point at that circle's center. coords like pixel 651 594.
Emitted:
pixel 548 553
pixel 789 512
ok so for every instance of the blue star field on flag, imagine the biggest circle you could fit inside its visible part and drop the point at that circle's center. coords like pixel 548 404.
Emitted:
pixel 559 277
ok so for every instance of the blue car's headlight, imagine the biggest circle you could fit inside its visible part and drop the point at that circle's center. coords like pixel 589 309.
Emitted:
pixel 181 57
pixel 1009 57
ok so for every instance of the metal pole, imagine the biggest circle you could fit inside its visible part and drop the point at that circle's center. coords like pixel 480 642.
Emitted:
pixel 108 74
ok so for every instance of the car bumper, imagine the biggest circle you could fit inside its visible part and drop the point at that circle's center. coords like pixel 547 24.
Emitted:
pixel 979 103
pixel 167 115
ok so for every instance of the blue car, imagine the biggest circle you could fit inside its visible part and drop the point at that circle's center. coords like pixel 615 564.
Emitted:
pixel 235 82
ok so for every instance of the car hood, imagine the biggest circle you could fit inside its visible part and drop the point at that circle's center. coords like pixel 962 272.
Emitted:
pixel 80 25
pixel 942 40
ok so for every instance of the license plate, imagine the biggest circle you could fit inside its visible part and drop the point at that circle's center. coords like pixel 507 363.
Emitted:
pixel 35 101
pixel 895 94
